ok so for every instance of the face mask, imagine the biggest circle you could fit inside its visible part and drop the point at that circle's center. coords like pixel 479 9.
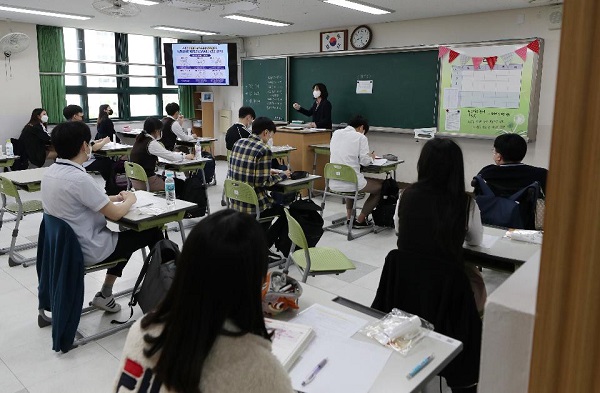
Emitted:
pixel 110 112
pixel 44 119
pixel 316 93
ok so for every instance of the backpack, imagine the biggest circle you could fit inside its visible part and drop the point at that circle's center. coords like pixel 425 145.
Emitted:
pixel 306 212
pixel 195 191
pixel 383 214
pixel 516 211
pixel 209 167
pixel 156 277
pixel 22 162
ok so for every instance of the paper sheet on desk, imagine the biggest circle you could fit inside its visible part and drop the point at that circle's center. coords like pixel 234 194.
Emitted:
pixel 488 241
pixel 327 322
pixel 144 199
pixel 352 366
pixel 379 161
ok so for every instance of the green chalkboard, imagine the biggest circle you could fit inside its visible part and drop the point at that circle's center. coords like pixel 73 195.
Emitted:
pixel 264 86
pixel 404 87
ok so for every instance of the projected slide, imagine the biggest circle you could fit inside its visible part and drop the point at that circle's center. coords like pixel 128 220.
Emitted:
pixel 200 64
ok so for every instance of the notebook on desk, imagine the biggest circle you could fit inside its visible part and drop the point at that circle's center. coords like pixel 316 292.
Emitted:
pixel 379 161
pixel 289 340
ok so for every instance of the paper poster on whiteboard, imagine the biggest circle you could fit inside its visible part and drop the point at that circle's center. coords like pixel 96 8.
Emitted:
pixel 200 64
pixel 490 90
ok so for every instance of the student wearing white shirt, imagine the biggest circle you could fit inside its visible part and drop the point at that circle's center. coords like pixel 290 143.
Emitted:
pixel 349 146
pixel 146 151
pixel 172 127
pixel 72 195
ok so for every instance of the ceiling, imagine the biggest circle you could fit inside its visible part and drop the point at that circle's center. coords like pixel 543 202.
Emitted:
pixel 304 14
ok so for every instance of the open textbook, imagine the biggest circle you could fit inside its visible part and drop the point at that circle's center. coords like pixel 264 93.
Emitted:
pixel 289 340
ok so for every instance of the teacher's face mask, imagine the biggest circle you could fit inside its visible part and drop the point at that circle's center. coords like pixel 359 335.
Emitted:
pixel 316 93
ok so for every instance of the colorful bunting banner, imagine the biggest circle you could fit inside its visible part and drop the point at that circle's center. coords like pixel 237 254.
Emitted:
pixel 464 59
pixel 534 46
pixel 522 52
pixel 507 57
pixel 453 55
pixel 442 51
pixel 491 61
pixel 477 62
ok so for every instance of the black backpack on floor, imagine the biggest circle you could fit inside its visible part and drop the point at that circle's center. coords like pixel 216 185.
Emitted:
pixel 195 191
pixel 306 212
pixel 383 214
pixel 209 167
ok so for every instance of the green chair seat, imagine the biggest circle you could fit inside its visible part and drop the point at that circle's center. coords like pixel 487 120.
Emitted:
pixel 323 259
pixel 33 206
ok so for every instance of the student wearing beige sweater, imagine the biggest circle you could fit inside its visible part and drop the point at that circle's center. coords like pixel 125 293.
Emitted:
pixel 208 335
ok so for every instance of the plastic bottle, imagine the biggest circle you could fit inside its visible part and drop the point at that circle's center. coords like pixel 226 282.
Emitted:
pixel 170 189
pixel 198 150
pixel 9 148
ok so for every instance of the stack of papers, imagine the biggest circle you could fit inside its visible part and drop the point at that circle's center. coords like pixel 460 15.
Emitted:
pixel 379 161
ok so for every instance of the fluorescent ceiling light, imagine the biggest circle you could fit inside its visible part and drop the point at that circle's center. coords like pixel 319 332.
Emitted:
pixel 142 2
pixel 181 30
pixel 359 7
pixel 252 19
pixel 31 11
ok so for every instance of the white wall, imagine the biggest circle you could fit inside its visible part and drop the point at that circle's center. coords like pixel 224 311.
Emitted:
pixel 455 29
pixel 20 94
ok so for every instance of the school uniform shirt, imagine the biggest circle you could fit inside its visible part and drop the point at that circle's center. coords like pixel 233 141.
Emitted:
pixel 250 163
pixel 351 148
pixel 321 113
pixel 147 151
pixel 69 193
pixel 234 134
pixel 234 364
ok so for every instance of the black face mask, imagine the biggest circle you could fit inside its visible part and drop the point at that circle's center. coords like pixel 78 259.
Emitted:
pixel 110 112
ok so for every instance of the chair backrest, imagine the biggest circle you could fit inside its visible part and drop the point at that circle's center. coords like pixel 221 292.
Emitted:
pixel 295 232
pixel 340 172
pixel 8 188
pixel 241 192
pixel 136 172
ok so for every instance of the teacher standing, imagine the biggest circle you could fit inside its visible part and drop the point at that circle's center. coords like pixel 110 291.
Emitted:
pixel 320 110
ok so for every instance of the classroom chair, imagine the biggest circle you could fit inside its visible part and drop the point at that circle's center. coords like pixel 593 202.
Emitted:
pixel 313 260
pixel 244 192
pixel 439 292
pixel 346 174
pixel 61 273
pixel 136 172
pixel 19 209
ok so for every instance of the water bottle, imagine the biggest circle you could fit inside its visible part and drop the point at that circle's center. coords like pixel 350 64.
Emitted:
pixel 170 189
pixel 9 148
pixel 198 150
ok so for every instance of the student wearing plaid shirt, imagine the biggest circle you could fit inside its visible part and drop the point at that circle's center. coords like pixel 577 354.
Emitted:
pixel 250 163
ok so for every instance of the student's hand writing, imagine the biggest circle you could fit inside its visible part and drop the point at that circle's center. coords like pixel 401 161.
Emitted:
pixel 296 106
pixel 190 156
pixel 123 194
pixel 130 196
pixel 288 173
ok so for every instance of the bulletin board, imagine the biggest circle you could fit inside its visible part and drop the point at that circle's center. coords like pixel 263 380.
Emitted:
pixel 490 89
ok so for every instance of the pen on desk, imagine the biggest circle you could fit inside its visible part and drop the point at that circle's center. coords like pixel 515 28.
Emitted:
pixel 420 366
pixel 145 205
pixel 314 372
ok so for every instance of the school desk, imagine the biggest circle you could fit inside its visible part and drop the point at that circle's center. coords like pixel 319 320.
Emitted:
pixel 188 166
pixel 289 185
pixel 393 376
pixel 29 180
pixel 113 149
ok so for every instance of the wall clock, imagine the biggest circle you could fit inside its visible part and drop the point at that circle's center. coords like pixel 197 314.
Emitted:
pixel 361 37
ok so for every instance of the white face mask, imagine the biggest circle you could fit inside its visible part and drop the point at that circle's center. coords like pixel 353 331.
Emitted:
pixel 316 93
pixel 44 119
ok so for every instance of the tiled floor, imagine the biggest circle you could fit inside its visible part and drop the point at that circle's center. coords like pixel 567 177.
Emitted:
pixel 27 362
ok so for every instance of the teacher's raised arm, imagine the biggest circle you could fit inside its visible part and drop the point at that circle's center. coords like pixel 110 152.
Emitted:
pixel 321 108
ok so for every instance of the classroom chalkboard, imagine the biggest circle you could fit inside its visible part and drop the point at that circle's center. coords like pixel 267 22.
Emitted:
pixel 264 86
pixel 404 86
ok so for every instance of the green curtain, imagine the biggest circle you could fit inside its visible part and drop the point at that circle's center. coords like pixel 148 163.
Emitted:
pixel 186 101
pixel 51 57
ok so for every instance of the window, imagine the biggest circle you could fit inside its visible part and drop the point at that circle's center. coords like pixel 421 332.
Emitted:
pixel 125 71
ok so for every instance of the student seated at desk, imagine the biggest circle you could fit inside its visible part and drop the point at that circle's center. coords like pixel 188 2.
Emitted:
pixel 250 163
pixel 241 129
pixel 104 125
pixel 434 216
pixel 103 165
pixel 146 151
pixel 72 195
pixel 508 174
pixel 349 146
pixel 35 140
pixel 172 127
pixel 202 338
